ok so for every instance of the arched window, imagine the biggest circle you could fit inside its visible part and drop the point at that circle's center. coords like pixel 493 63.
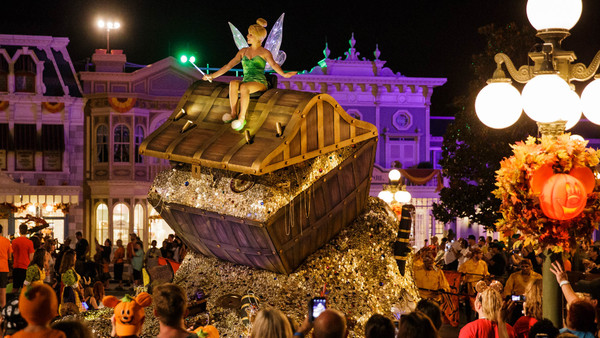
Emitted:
pixel 138 221
pixel 121 143
pixel 158 229
pixel 102 144
pixel 121 223
pixel 139 137
pixel 25 71
pixel 3 74
pixel 101 222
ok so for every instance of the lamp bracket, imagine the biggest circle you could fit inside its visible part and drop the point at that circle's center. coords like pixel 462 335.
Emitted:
pixel 579 72
pixel 522 75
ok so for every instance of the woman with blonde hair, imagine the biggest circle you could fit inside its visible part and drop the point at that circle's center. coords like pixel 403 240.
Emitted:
pixel 532 309
pixel 254 59
pixel 488 304
pixel 271 323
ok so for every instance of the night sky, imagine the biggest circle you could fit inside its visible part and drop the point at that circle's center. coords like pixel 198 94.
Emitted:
pixel 417 38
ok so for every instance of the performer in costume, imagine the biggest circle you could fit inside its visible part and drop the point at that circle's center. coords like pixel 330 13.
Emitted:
pixel 254 59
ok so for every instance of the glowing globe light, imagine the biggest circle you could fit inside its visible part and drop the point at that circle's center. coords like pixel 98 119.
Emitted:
pixel 498 105
pixel 571 110
pixel 402 196
pixel 577 138
pixel 394 175
pixel 31 209
pixel 386 196
pixel 544 97
pixel 553 14
pixel 183 59
pixel 590 101
pixel 192 59
pixel 101 23
pixel 49 208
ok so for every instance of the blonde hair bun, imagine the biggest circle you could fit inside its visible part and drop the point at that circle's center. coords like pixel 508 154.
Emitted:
pixel 261 22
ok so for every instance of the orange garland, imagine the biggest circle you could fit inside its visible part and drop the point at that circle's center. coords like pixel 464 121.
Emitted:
pixel 121 105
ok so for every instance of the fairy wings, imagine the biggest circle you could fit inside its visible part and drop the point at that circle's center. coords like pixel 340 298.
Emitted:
pixel 272 44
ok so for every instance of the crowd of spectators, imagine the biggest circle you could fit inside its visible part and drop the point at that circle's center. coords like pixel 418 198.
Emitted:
pixel 498 286
pixel 500 291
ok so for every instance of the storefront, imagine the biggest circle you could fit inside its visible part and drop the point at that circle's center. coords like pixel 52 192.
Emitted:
pixel 21 202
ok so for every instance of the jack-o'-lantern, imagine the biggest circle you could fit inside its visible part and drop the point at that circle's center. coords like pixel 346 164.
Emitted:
pixel 563 197
pixel 129 312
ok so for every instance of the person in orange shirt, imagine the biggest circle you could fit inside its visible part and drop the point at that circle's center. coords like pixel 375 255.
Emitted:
pixel 119 262
pixel 23 253
pixel 5 255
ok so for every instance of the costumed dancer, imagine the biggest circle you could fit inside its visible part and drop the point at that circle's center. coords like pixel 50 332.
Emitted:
pixel 254 59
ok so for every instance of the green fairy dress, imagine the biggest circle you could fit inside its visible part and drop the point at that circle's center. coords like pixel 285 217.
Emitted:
pixel 254 70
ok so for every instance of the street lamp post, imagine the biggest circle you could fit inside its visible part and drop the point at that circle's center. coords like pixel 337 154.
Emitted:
pixel 395 191
pixel 548 96
pixel 108 25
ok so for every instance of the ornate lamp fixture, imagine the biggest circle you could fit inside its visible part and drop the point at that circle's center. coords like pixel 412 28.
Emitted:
pixel 549 99
pixel 548 96
pixel 395 192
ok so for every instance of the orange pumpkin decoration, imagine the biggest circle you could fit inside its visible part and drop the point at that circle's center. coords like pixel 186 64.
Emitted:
pixel 563 197
pixel 129 312
pixel 207 331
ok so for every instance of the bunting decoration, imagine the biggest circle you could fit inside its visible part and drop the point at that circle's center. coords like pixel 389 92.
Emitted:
pixel 122 104
pixel 53 107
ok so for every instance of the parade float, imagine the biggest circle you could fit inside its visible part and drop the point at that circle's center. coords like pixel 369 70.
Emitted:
pixel 279 210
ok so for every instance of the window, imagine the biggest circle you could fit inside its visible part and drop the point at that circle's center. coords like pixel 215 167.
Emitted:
pixel 121 223
pixel 121 143
pixel 3 74
pixel 53 146
pixel 138 221
pixel 401 149
pixel 101 222
pixel 102 144
pixel 158 229
pixel 4 141
pixel 25 71
pixel 25 146
pixel 139 137
pixel 402 120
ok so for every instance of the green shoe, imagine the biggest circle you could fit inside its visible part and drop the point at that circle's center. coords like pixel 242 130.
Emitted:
pixel 237 125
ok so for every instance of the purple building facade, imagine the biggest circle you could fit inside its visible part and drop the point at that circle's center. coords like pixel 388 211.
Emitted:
pixel 41 135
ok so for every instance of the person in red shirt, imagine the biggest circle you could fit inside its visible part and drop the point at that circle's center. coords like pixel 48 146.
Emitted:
pixel 488 304
pixel 5 253
pixel 22 248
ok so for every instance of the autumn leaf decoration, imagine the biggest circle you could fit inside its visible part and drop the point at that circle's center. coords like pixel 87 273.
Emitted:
pixel 519 190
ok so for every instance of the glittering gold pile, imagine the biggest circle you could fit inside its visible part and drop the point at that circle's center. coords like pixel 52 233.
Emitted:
pixel 211 189
pixel 357 267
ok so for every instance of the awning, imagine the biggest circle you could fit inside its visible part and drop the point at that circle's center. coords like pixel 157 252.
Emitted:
pixel 25 137
pixel 53 137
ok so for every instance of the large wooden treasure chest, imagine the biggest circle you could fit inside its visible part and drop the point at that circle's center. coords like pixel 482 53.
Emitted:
pixel 267 196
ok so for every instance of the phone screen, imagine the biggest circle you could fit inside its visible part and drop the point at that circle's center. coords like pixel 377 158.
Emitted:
pixel 517 298
pixel 85 306
pixel 318 305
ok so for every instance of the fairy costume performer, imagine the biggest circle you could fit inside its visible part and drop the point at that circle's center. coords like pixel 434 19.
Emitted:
pixel 254 59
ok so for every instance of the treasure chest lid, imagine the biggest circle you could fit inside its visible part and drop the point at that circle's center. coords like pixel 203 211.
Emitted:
pixel 284 127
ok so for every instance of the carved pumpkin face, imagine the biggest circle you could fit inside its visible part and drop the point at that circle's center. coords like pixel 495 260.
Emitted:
pixel 129 313
pixel 563 197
